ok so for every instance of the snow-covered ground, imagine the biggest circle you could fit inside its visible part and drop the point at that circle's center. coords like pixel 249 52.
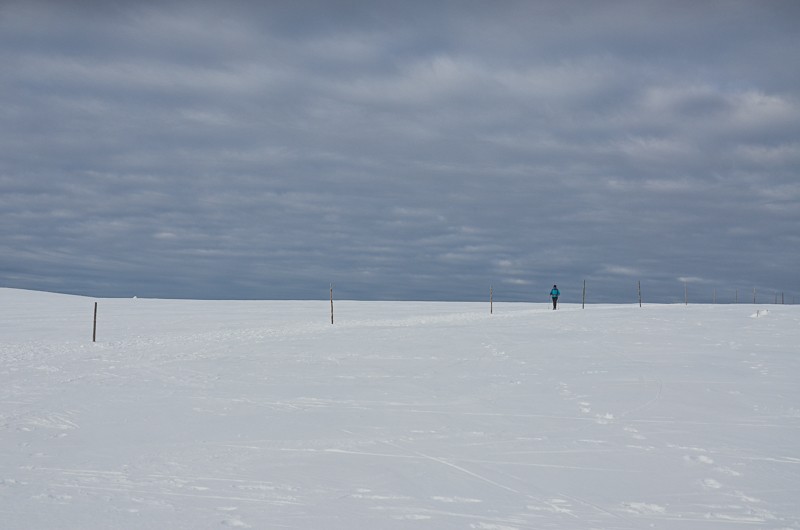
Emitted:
pixel 194 414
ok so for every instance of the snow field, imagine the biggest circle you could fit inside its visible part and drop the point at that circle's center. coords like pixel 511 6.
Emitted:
pixel 195 414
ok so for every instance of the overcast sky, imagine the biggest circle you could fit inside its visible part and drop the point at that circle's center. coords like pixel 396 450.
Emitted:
pixel 401 150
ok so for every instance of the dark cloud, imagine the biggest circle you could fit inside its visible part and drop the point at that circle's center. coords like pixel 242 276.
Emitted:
pixel 399 149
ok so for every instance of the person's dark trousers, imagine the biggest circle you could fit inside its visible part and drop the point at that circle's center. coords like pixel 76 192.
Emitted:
pixel 555 301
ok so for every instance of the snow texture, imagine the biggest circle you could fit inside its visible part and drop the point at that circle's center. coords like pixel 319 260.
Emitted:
pixel 194 414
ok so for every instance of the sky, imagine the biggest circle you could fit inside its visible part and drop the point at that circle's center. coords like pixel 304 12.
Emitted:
pixel 401 150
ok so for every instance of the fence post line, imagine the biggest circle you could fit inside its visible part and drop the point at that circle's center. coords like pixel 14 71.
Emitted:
pixel 94 324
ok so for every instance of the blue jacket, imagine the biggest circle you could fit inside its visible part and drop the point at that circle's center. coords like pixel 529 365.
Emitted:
pixel 554 293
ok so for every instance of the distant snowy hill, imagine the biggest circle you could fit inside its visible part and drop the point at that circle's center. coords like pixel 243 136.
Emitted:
pixel 251 414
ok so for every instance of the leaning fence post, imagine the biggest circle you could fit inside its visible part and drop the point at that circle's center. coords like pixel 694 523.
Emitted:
pixel 94 325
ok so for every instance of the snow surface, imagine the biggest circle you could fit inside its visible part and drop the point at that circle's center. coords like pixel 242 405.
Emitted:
pixel 207 414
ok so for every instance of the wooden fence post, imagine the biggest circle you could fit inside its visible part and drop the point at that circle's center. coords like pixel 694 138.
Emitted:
pixel 491 300
pixel 583 299
pixel 94 325
pixel 331 303
pixel 640 293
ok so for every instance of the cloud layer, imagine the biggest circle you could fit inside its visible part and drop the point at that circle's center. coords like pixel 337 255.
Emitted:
pixel 399 151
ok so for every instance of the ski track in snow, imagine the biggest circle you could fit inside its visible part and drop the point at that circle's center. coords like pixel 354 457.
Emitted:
pixel 190 414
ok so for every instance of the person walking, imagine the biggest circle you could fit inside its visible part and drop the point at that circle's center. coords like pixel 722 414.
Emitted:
pixel 554 294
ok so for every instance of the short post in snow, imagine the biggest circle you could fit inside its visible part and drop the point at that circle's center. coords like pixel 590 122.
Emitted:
pixel 640 293
pixel 94 325
pixel 685 293
pixel 491 300
pixel 583 299
pixel 331 303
